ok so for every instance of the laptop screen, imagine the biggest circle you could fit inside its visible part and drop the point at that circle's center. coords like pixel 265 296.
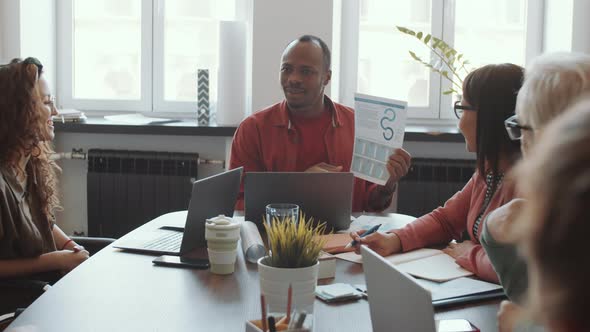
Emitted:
pixel 210 197
pixel 327 197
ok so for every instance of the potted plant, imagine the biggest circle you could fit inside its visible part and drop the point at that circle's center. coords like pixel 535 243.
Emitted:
pixel 451 64
pixel 291 262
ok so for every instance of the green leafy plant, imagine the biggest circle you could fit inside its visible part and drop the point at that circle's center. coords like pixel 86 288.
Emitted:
pixel 294 244
pixel 452 65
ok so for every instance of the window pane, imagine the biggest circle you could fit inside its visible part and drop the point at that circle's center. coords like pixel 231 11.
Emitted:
pixel 385 67
pixel 107 49
pixel 497 36
pixel 190 43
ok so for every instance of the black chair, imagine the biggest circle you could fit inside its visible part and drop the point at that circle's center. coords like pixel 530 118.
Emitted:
pixel 18 294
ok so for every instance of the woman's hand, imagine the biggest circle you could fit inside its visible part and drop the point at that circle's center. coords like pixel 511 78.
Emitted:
pixel 458 249
pixel 383 244
pixel 67 260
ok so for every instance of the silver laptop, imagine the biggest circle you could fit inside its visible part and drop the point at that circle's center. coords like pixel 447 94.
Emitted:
pixel 326 197
pixel 396 301
pixel 210 197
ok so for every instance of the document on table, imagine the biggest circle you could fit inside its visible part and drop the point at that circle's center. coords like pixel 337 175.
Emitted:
pixel 366 222
pixel 137 119
pixel 425 263
pixel 379 129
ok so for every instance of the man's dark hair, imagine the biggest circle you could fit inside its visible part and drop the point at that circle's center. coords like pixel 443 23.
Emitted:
pixel 492 91
pixel 327 56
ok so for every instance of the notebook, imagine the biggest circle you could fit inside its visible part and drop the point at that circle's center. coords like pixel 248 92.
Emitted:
pixel 326 197
pixel 431 264
pixel 397 301
pixel 210 197
pixel 336 243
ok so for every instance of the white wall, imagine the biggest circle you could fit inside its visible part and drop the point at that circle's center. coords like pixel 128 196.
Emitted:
pixel 581 26
pixel 9 30
pixel 27 28
pixel 566 26
pixel 37 31
pixel 275 24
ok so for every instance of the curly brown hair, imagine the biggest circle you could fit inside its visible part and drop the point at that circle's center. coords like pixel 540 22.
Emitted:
pixel 21 123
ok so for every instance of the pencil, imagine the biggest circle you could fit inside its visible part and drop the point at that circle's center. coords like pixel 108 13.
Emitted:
pixel 263 306
pixel 289 301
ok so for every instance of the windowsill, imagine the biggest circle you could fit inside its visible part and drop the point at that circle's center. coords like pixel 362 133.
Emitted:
pixel 182 127
pixel 186 127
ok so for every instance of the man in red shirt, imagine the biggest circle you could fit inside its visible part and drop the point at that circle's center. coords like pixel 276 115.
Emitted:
pixel 308 132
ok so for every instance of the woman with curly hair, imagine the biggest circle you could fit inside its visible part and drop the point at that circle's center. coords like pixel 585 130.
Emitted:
pixel 32 246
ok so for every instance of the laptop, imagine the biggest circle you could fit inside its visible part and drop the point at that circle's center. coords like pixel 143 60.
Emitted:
pixel 210 197
pixel 398 303
pixel 326 197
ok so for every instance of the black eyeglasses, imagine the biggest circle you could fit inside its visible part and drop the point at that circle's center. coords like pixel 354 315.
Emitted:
pixel 515 129
pixel 458 108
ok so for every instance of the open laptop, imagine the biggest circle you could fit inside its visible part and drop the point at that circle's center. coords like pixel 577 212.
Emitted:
pixel 326 197
pixel 398 303
pixel 210 197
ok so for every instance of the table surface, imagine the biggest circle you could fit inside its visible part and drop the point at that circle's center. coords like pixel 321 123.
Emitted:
pixel 121 291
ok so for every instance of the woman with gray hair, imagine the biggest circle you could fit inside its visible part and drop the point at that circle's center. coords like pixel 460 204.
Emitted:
pixel 552 83
pixel 553 227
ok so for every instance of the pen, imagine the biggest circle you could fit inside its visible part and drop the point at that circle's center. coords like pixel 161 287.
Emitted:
pixel 363 292
pixel 370 231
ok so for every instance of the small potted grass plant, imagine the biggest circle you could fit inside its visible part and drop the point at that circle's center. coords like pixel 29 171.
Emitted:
pixel 291 261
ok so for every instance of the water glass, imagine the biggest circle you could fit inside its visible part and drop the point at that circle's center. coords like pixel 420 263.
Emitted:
pixel 282 212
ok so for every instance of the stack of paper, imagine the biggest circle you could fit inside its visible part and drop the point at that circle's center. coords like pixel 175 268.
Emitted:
pixel 338 292
pixel 137 119
pixel 69 115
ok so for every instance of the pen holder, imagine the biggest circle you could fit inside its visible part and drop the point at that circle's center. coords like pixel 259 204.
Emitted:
pixel 301 322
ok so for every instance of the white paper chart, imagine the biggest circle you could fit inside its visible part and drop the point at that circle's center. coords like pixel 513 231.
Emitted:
pixel 379 129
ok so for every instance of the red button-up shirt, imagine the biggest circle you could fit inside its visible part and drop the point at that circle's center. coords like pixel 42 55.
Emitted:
pixel 267 141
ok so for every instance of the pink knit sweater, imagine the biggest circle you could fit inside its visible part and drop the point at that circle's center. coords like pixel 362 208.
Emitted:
pixel 447 223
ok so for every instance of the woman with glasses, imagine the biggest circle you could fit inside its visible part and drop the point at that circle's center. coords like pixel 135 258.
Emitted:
pixel 553 82
pixel 552 229
pixel 31 245
pixel 489 97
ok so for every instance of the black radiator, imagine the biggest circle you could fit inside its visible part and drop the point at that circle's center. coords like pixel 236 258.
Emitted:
pixel 430 183
pixel 129 188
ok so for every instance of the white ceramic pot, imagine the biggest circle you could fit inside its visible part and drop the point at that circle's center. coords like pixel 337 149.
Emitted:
pixel 274 285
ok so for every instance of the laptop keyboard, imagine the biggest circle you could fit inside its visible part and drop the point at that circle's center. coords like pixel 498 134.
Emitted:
pixel 168 242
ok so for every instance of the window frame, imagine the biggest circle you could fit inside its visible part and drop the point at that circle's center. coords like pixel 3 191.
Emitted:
pixel 65 59
pixel 152 65
pixel 443 26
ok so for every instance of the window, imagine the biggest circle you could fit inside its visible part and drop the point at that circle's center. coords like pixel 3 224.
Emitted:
pixel 136 54
pixel 486 31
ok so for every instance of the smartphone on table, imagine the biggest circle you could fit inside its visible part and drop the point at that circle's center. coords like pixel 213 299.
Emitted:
pixel 177 261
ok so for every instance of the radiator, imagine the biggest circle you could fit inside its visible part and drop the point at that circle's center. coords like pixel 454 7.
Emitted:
pixel 430 183
pixel 129 188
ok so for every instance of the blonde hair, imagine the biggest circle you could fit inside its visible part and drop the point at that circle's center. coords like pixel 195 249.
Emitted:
pixel 555 223
pixel 552 83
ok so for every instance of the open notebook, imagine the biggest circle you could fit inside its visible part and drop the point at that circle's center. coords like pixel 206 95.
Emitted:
pixel 430 264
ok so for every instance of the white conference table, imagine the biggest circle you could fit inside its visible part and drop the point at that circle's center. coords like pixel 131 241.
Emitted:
pixel 121 291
